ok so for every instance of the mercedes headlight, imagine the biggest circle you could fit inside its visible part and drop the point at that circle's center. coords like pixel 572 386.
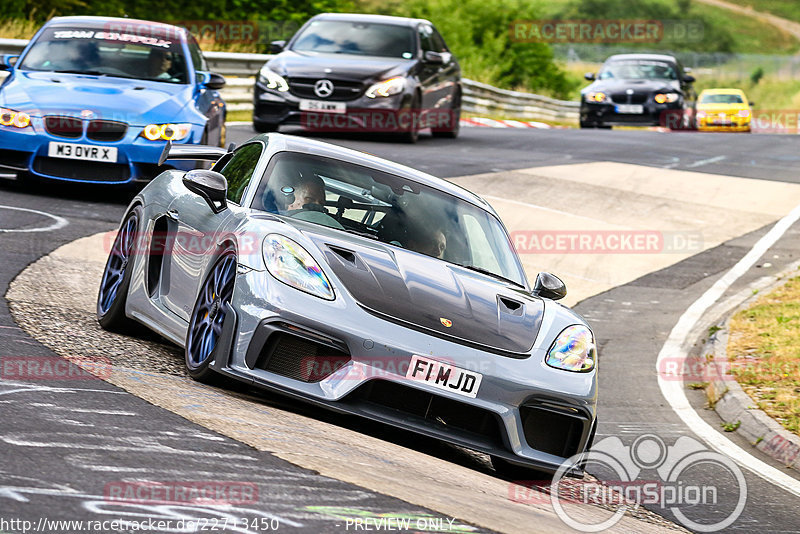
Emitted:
pixel 292 264
pixel 18 119
pixel 166 132
pixel 663 98
pixel 573 350
pixel 272 79
pixel 389 87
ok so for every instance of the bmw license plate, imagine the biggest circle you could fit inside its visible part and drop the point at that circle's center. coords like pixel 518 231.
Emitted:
pixel 323 106
pixel 444 376
pixel 630 108
pixel 83 152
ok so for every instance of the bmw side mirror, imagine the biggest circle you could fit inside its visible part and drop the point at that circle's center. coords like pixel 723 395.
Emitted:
pixel 434 58
pixel 210 185
pixel 589 76
pixel 210 80
pixel 8 61
pixel 276 47
pixel 549 286
pixel 688 78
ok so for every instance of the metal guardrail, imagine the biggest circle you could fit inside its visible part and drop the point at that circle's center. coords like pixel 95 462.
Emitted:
pixel 479 98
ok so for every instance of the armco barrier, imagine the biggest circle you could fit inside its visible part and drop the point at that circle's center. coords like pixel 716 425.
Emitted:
pixel 479 98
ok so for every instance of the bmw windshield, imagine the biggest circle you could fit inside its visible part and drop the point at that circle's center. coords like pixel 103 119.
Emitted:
pixel 357 38
pixel 638 70
pixel 389 209
pixel 95 51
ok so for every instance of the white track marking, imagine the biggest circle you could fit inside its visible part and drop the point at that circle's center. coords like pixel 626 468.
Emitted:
pixel 672 385
pixel 705 162
pixel 58 222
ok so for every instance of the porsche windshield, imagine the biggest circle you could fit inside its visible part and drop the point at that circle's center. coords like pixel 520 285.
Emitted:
pixel 389 209
pixel 357 38
pixel 95 51
pixel 638 70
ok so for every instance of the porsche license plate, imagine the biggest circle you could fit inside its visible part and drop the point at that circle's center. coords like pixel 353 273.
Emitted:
pixel 84 152
pixel 630 108
pixel 323 106
pixel 444 376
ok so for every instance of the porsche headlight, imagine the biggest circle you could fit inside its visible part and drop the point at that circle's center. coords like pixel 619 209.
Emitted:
pixel 273 80
pixel 389 87
pixel 166 132
pixel 291 264
pixel 573 350
pixel 663 98
pixel 596 96
pixel 17 119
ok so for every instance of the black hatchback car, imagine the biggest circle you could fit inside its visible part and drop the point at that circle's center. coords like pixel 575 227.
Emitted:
pixel 639 90
pixel 361 73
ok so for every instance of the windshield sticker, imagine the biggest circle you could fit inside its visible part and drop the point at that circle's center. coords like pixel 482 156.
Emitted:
pixel 112 36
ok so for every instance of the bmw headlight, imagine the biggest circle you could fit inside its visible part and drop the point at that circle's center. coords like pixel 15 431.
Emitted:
pixel 17 119
pixel 166 132
pixel 292 264
pixel 573 350
pixel 596 96
pixel 389 87
pixel 663 98
pixel 273 80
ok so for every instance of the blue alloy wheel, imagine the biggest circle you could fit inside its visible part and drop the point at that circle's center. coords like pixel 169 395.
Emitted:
pixel 116 276
pixel 209 313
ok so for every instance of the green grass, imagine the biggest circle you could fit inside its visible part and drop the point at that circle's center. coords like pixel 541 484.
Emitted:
pixel 750 35
pixel 788 9
pixel 764 349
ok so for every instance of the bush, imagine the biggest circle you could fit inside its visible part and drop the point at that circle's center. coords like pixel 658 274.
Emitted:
pixel 478 33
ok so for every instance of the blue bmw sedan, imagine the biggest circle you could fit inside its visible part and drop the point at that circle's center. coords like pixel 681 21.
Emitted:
pixel 95 99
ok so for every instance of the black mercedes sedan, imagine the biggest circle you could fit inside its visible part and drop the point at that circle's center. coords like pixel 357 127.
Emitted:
pixel 361 73
pixel 639 90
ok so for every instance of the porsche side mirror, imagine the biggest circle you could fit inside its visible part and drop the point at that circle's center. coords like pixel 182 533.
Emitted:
pixel 752 103
pixel 8 61
pixel 276 47
pixel 434 58
pixel 549 286
pixel 688 78
pixel 210 185
pixel 210 80
pixel 589 76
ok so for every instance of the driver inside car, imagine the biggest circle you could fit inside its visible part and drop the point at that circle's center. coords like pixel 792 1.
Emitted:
pixel 308 203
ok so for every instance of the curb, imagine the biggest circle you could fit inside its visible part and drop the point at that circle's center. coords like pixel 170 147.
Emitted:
pixel 729 400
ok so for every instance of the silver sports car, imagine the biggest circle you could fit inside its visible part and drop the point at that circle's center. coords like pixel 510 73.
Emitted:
pixel 362 286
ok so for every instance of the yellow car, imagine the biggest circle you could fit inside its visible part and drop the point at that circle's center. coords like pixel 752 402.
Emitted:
pixel 723 110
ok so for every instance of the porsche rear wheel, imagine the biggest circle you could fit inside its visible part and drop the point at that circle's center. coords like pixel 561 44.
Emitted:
pixel 117 276
pixel 208 316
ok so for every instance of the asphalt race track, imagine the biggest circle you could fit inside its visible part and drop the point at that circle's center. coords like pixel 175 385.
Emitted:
pixel 66 441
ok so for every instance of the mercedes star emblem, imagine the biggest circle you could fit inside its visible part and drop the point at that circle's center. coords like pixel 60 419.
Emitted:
pixel 323 88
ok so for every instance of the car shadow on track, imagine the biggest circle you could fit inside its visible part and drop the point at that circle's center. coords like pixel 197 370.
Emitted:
pixel 106 194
